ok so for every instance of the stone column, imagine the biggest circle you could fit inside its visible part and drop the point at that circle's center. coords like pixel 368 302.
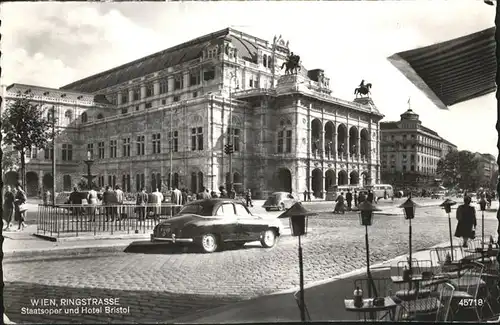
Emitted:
pixel 156 87
pixel 323 189
pixel 130 95
pixel 347 149
pixel 170 81
pixel 185 75
pixel 119 98
pixel 143 91
pixel 358 149
pixel 334 143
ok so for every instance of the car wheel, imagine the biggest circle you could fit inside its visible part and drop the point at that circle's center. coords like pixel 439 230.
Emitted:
pixel 268 209
pixel 268 238
pixel 209 243
pixel 281 207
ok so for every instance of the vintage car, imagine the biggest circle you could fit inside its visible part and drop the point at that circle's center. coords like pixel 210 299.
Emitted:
pixel 280 201
pixel 210 224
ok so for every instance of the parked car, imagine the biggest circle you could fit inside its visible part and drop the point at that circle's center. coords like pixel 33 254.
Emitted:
pixel 210 224
pixel 280 201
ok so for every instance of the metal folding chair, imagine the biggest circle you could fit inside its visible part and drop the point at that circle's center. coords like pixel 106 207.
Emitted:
pixel 445 297
pixel 384 289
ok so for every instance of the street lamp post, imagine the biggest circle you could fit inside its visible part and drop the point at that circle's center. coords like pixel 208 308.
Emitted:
pixel 447 208
pixel 298 218
pixel 409 212
pixel 482 205
pixel 89 162
pixel 230 136
pixel 366 210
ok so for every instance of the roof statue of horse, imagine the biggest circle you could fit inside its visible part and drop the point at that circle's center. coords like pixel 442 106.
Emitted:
pixel 292 64
pixel 363 89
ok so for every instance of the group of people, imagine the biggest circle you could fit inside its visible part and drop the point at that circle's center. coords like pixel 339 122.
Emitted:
pixel 14 206
pixel 344 203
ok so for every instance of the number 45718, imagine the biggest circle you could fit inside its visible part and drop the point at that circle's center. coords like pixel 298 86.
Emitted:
pixel 470 302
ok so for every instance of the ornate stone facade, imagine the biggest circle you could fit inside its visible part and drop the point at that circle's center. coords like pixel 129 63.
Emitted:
pixel 166 122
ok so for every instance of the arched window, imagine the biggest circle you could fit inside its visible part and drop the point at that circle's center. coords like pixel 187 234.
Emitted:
pixel 68 115
pixel 264 60
pixel 285 137
pixel 85 118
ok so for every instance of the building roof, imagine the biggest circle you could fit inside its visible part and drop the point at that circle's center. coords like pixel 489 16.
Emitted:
pixel 63 95
pixel 395 125
pixel 161 60
pixel 453 71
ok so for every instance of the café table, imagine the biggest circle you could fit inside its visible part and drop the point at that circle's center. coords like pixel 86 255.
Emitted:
pixel 368 308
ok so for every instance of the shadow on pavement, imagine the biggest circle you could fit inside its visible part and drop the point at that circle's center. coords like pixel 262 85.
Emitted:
pixel 145 306
pixel 147 247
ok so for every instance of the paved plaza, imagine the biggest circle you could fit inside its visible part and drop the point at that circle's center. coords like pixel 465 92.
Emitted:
pixel 159 283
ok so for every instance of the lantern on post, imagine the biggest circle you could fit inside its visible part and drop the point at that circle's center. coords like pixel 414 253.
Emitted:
pixel 409 208
pixel 447 208
pixel 366 210
pixel 298 217
pixel 482 206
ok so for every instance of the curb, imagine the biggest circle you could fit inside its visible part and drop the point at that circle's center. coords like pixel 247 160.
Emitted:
pixel 192 318
pixel 98 237
pixel 67 251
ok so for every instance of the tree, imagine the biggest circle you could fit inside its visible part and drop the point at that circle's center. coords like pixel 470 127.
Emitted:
pixel 10 159
pixel 459 168
pixel 24 127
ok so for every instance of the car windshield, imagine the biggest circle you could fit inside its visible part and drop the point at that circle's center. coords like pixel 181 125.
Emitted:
pixel 193 209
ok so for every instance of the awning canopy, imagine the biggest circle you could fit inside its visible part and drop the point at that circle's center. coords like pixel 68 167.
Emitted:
pixel 453 71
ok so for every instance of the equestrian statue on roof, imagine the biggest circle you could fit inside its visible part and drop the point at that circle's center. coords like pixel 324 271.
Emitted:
pixel 363 89
pixel 292 64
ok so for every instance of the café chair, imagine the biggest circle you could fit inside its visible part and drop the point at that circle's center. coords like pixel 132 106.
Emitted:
pixel 412 290
pixel 445 297
pixel 383 287
pixel 467 288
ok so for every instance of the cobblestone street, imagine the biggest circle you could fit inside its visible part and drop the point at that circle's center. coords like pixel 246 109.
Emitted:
pixel 161 284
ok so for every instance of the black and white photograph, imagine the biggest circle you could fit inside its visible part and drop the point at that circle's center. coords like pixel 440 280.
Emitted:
pixel 249 161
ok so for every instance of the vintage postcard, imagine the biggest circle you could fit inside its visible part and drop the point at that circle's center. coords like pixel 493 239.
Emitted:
pixel 209 162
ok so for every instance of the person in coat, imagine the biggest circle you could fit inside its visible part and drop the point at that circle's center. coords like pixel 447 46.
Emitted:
pixel 108 198
pixel 8 207
pixel 20 199
pixel 370 197
pixel 75 199
pixel 92 201
pixel 141 201
pixel 157 198
pixel 340 205
pixel 361 197
pixel 466 216
pixel 223 193
pixel 348 198
pixel 355 196
pixel 248 198
pixel 119 197
pixel 184 196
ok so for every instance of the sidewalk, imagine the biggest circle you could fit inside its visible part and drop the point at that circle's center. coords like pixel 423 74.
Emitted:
pixel 324 300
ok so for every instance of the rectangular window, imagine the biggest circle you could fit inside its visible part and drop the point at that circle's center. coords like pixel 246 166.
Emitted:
pixel 156 143
pixel 34 153
pixel 288 141
pixel 280 141
pixel 163 86
pixel 126 183
pixel 250 83
pixel 194 78
pixel 112 148
pixel 124 110
pixel 195 94
pixel 100 181
pixel 209 74
pixel 137 108
pixel 67 152
pixel 126 147
pixel 100 150
pixel 149 105
pixel 125 97
pixel 176 98
pixel 178 82
pixel 173 141
pixel 113 98
pixel 112 180
pixel 139 181
pixel 163 101
pixel 27 153
pixel 236 138
pixel 49 153
pixel 197 138
pixel 150 90
pixel 140 148
pixel 412 168
pixel 137 93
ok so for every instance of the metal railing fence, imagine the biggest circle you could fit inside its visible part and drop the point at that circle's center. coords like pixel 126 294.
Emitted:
pixel 72 220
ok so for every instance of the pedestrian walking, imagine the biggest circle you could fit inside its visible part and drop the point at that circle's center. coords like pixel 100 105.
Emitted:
pixel 305 195
pixel 108 198
pixel 361 197
pixel 46 197
pixel 157 198
pixel 120 197
pixel 223 193
pixel 248 198
pixel 141 201
pixel 348 198
pixel 75 199
pixel 92 202
pixel 8 207
pixel 20 200
pixel 370 197
pixel 340 205
pixel 184 196
pixel 466 216
pixel 355 196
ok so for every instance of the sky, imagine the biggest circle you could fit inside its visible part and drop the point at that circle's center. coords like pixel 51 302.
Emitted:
pixel 53 44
